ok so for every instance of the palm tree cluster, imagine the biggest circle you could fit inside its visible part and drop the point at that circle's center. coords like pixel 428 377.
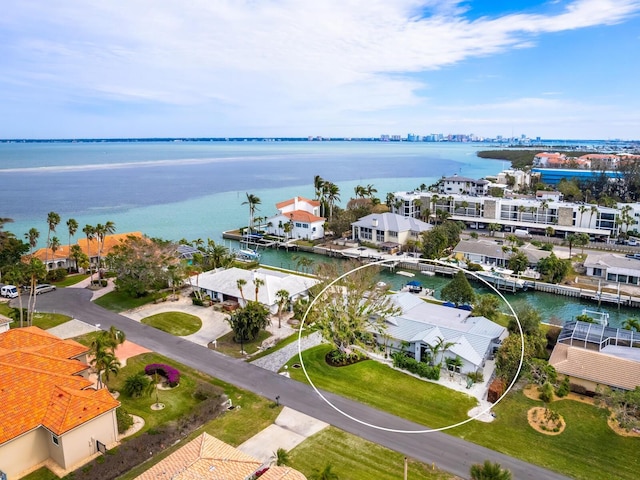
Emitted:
pixel 328 193
pixel 252 201
pixel 103 348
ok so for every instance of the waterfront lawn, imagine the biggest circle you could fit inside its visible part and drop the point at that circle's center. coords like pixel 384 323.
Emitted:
pixel 588 449
pixel 356 459
pixel 227 346
pixel 371 382
pixel 118 302
pixel 176 323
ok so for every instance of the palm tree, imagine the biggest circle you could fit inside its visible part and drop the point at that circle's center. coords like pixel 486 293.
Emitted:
pixel 32 237
pixel 489 471
pixel 35 271
pixel 53 219
pixel 326 473
pixel 550 231
pixel 72 228
pixel 521 210
pixel 281 457
pixel 438 349
pixel 370 190
pixel 389 199
pixel 333 196
pixel 241 282
pixel 258 282
pixel 594 210
pixel 253 203
pixel 55 246
pixel 282 297
pixel 359 191
pixel 105 363
pixel 101 232
pixel 434 202
pixel 571 238
pixel 90 233
pixel 631 324
pixel 318 183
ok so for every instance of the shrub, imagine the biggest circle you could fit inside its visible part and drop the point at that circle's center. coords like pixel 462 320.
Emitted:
pixel 171 374
pixel 564 388
pixel 338 358
pixel 56 275
pixel 474 267
pixel 135 385
pixel 476 377
pixel 125 421
pixel 579 389
pixel 546 392
pixel 547 247
pixel 404 362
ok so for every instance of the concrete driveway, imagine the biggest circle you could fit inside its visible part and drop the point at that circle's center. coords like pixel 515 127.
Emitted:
pixel 290 429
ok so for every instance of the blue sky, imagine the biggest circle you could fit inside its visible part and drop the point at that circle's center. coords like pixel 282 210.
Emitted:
pixel 154 68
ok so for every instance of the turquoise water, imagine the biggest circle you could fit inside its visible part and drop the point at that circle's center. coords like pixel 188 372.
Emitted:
pixel 195 189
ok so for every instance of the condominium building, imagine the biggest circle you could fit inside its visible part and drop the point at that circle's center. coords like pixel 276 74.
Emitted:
pixel 520 213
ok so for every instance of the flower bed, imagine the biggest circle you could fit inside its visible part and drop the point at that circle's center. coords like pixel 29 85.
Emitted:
pixel 171 374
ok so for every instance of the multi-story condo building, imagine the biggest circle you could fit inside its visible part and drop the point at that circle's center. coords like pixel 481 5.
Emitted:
pixel 520 213
pixel 463 185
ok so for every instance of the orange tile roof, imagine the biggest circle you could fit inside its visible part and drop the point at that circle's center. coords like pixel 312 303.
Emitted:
pixel 208 458
pixel 302 216
pixel 291 201
pixel 595 366
pixel 63 252
pixel 41 387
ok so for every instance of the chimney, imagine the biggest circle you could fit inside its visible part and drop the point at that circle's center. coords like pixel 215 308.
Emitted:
pixel 375 221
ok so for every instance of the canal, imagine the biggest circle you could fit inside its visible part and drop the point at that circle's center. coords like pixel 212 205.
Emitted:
pixel 555 309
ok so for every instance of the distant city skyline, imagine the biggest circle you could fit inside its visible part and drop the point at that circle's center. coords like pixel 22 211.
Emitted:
pixel 552 69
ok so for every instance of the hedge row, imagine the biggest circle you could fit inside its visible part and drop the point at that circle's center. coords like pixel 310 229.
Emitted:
pixel 401 360
pixel 171 374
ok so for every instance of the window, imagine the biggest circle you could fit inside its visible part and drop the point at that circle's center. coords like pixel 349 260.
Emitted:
pixel 305 225
pixel 298 225
pixel 597 272
pixel 393 234
pixel 611 277
pixel 55 439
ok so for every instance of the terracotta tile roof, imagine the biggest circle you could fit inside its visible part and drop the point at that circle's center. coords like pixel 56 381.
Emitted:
pixel 595 366
pixel 291 201
pixel 35 339
pixel 110 241
pixel 41 387
pixel 208 458
pixel 302 216
pixel 62 253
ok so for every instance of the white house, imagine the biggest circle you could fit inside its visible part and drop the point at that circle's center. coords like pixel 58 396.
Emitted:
pixel 423 324
pixel 222 285
pixel 613 267
pixel 297 218
pixel 463 185
pixel 490 252
pixel 388 230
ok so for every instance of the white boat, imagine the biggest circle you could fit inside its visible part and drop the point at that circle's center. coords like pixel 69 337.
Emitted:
pixel 248 255
pixel 405 274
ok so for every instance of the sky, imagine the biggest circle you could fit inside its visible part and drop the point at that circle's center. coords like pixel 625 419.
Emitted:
pixel 333 68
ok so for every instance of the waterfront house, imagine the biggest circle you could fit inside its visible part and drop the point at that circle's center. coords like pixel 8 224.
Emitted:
pixel 422 325
pixel 207 458
pixel 491 252
pixel 613 267
pixel 388 230
pixel 297 218
pixel 594 355
pixel 463 185
pixel 222 285
pixel 61 258
pixel 50 412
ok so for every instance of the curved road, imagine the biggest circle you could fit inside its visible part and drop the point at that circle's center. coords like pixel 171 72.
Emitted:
pixel 447 452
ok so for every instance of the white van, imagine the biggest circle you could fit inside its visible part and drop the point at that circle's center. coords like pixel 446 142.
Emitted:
pixel 521 233
pixel 9 291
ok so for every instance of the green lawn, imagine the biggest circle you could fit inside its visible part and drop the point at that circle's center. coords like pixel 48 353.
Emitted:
pixel 356 459
pixel 176 323
pixel 71 280
pixel 587 449
pixel 42 320
pixel 228 346
pixel 118 301
pixel 379 386
pixel 178 401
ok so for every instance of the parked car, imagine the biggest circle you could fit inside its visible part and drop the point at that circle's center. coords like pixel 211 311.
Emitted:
pixel 9 291
pixel 44 288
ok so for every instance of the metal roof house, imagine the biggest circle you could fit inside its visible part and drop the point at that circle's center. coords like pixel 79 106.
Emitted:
pixel 423 324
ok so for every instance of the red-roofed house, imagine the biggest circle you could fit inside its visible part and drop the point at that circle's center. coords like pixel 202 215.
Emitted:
pixel 62 259
pixel 49 410
pixel 303 217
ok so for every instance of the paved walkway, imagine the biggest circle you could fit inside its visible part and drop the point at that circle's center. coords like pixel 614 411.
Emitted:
pixel 290 429
pixel 276 360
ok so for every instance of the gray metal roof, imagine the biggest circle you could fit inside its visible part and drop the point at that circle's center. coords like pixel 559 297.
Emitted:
pixel 599 260
pixel 392 222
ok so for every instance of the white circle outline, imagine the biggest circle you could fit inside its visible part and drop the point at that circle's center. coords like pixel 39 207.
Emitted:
pixel 394 430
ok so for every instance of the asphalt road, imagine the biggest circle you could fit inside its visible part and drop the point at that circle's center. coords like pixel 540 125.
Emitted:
pixel 445 451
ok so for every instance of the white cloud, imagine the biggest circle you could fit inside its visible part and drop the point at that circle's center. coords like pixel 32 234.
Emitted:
pixel 322 57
